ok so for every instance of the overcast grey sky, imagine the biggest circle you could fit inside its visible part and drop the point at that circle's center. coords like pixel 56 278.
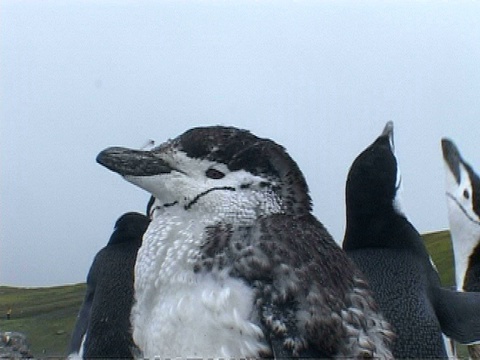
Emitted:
pixel 320 78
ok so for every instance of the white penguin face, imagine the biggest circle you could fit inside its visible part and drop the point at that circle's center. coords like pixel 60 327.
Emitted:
pixel 460 198
pixel 203 186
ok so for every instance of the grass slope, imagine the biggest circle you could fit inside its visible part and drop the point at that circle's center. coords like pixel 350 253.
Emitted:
pixel 440 248
pixel 47 315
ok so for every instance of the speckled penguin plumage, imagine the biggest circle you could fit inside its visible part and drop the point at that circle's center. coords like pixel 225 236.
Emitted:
pixel 233 263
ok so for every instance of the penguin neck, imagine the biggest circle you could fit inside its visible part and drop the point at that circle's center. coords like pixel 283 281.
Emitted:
pixel 382 229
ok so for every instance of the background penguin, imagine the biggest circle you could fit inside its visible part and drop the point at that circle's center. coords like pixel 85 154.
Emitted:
pixel 103 327
pixel 463 202
pixel 391 253
pixel 233 264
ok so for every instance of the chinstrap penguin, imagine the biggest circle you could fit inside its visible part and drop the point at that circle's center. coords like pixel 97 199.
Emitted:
pixel 103 329
pixel 233 264
pixel 463 202
pixel 391 254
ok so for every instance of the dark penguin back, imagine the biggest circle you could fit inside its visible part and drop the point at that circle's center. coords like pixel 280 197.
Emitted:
pixel 400 282
pixel 111 293
pixel 108 332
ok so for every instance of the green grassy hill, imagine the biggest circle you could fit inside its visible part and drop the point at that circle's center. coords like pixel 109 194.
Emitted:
pixel 47 315
pixel 440 248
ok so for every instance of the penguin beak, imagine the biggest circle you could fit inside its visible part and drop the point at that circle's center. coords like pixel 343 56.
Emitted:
pixel 388 132
pixel 133 162
pixel 452 158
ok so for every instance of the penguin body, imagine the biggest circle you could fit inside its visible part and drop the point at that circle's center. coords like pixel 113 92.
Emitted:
pixel 463 201
pixel 233 264
pixel 103 328
pixel 391 254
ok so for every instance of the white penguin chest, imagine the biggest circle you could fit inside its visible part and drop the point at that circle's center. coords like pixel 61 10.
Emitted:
pixel 464 232
pixel 180 313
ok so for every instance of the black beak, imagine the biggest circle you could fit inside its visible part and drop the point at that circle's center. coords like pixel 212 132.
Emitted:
pixel 388 132
pixel 133 162
pixel 452 157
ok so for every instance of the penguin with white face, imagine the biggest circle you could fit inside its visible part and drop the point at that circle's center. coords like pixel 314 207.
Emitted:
pixel 103 329
pixel 391 253
pixel 463 202
pixel 233 264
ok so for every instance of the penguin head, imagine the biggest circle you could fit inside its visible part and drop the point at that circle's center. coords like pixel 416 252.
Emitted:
pixel 221 169
pixel 129 227
pixel 373 182
pixel 462 187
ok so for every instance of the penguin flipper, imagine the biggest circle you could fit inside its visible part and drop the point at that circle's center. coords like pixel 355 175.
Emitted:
pixel 81 324
pixel 459 315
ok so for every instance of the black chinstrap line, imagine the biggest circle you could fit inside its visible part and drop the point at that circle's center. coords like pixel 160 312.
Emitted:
pixel 197 197
pixel 476 222
pixel 170 204
pixel 152 211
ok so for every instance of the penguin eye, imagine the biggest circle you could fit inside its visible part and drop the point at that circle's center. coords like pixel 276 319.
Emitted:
pixel 466 195
pixel 214 174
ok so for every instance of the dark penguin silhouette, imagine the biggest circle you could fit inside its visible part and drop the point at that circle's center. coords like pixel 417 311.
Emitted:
pixel 391 253
pixel 103 327
pixel 233 264
pixel 463 200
